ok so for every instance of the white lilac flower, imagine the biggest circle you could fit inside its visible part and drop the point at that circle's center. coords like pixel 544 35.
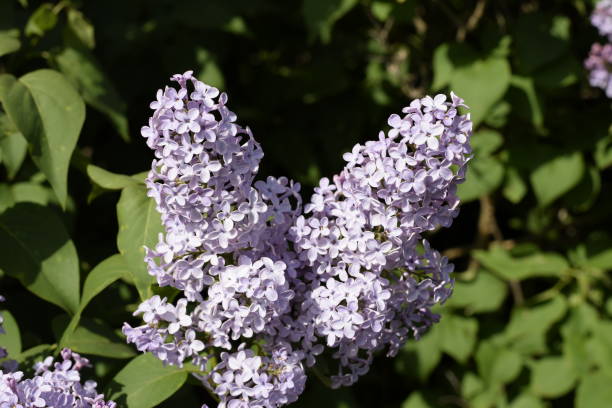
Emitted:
pixel 601 18
pixel 267 288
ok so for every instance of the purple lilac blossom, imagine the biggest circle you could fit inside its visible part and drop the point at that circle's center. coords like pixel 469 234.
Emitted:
pixel 54 385
pixel 351 273
pixel 601 18
pixel 369 277
pixel 599 64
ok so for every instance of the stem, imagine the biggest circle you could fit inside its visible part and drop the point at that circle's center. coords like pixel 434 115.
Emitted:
pixel 472 21
pixel 551 292
pixel 517 292
pixel 325 380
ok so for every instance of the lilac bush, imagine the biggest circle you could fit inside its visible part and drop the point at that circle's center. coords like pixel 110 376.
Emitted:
pixel 267 289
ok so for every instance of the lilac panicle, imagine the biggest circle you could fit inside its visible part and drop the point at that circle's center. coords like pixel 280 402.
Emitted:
pixel 601 18
pixel 266 288
pixel 54 385
pixel 370 279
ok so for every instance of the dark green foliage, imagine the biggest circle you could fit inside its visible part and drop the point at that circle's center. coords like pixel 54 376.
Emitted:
pixel 530 323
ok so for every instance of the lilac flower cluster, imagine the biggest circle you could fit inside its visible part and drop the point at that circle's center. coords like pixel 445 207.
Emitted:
pixel 54 385
pixel 599 61
pixel 266 288
pixel 599 64
pixel 601 18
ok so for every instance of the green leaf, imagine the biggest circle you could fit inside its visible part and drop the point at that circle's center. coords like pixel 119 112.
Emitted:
pixel 484 175
pixel 321 15
pixel 603 152
pixel 139 225
pixel 41 21
pixel 82 29
pixel 498 115
pixel 600 345
pixel 442 67
pixel 84 72
pixel 486 141
pixel 6 83
pixel 540 264
pixel 594 391
pixel 33 193
pixel 514 187
pixel 471 385
pixel 552 377
pixel 555 177
pixel 9 42
pixel 416 400
pixel 144 382
pixel 446 58
pixel 381 10
pixel 470 295
pixel 209 73
pixel 481 84
pixel 100 277
pixel 527 401
pixel 583 196
pixel 576 331
pixel 13 146
pixel 47 110
pixel 109 180
pixel 457 336
pixel 419 358
pixel 497 365
pixel 37 353
pixel 529 104
pixel 6 198
pixel 599 251
pixel 96 338
pixel 36 249
pixel 540 38
pixel 11 339
pixel 527 329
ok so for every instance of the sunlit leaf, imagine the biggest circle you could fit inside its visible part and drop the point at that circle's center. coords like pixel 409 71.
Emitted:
pixel 481 84
pixel 49 113
pixel 139 226
pixel 553 178
pixel 483 294
pixel 9 41
pixel 552 377
pixel 145 382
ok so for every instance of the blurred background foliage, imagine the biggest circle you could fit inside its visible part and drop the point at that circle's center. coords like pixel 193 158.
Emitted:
pixel 530 323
